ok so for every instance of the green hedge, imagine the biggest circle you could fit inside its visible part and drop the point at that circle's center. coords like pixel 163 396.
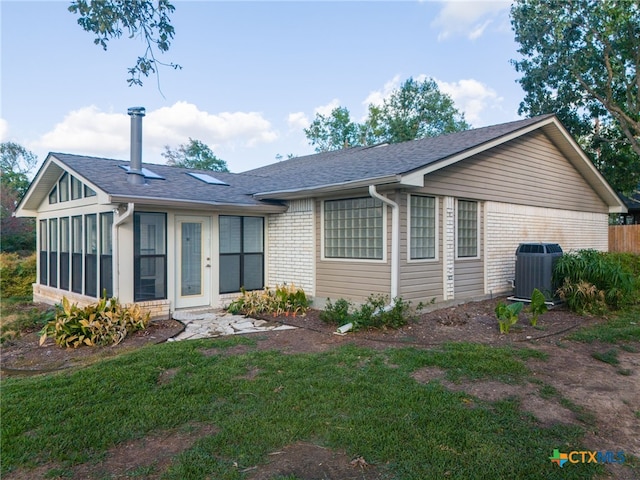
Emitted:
pixel 16 275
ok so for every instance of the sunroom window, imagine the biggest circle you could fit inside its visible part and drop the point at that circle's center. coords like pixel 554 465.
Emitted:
pixel 150 256
pixel 423 227
pixel 241 253
pixel 353 228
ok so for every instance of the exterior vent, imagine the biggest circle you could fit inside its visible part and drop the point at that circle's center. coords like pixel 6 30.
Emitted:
pixel 534 269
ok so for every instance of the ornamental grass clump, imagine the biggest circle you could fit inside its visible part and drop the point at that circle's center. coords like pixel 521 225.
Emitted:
pixel 283 300
pixel 104 323
pixel 593 282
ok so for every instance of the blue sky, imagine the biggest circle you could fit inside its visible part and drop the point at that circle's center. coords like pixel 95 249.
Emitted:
pixel 254 73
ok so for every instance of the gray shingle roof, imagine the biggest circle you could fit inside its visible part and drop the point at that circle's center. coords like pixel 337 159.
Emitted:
pixel 312 171
pixel 352 164
pixel 107 175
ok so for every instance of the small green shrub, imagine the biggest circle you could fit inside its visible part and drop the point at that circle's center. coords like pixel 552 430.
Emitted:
pixel 104 323
pixel 508 315
pixel 592 281
pixel 371 314
pixel 537 306
pixel 283 300
pixel 16 275
pixel 336 313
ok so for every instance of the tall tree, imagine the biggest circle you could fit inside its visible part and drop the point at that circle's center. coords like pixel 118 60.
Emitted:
pixel 418 110
pixel 415 110
pixel 333 131
pixel 196 155
pixel 15 163
pixel 580 60
pixel 148 20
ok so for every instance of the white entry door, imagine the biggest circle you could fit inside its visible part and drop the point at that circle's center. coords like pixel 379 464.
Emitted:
pixel 193 261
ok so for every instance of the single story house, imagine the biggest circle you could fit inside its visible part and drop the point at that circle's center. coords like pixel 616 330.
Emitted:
pixel 437 218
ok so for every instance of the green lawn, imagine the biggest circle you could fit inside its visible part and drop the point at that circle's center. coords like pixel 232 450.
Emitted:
pixel 360 400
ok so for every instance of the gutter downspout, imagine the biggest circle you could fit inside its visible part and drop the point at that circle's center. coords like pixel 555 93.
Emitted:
pixel 119 219
pixel 395 242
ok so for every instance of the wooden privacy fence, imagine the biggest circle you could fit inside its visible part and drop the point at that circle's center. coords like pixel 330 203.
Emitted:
pixel 624 238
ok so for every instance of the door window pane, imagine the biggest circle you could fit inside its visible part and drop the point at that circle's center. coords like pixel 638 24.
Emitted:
pixel 191 257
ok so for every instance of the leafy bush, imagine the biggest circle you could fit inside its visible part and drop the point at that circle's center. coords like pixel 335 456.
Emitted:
pixel 371 314
pixel 537 306
pixel 104 323
pixel 17 274
pixel 508 315
pixel 593 281
pixel 336 313
pixel 284 300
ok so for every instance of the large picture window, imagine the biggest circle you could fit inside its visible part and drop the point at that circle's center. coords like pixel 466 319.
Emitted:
pixel 467 231
pixel 150 256
pixel 353 228
pixel 422 243
pixel 241 253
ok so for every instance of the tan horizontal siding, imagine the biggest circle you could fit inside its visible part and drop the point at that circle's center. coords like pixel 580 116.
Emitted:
pixel 526 171
pixel 419 281
pixel 469 278
pixel 353 280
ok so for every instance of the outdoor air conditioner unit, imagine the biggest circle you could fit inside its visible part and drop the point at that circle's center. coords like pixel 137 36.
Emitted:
pixel 534 269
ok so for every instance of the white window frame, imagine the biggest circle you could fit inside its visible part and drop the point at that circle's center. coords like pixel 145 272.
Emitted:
pixel 437 230
pixel 478 229
pixel 352 260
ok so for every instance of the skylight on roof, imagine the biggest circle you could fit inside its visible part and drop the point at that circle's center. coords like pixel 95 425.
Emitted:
pixel 207 178
pixel 146 172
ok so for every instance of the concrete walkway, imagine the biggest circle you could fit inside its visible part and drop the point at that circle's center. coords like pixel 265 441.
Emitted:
pixel 216 323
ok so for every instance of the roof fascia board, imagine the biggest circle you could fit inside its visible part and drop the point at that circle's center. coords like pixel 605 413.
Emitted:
pixel 334 187
pixel 416 178
pixel 165 202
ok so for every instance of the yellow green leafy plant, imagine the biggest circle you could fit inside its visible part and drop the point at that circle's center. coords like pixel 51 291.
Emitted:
pixel 106 322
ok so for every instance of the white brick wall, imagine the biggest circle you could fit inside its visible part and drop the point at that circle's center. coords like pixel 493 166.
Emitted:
pixel 449 249
pixel 508 225
pixel 290 246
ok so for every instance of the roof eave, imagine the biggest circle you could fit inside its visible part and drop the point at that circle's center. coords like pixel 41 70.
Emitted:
pixel 200 205
pixel 297 193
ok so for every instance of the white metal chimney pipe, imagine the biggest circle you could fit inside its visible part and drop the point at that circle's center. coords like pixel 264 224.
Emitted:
pixel 136 177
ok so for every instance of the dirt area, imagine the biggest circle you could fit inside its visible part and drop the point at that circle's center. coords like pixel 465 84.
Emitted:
pixel 606 397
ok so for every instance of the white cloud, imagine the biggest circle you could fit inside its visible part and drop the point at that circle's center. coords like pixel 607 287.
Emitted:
pixel 328 108
pixel 376 97
pixel 470 18
pixel 89 131
pixel 297 121
pixel 471 97
pixel 4 130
